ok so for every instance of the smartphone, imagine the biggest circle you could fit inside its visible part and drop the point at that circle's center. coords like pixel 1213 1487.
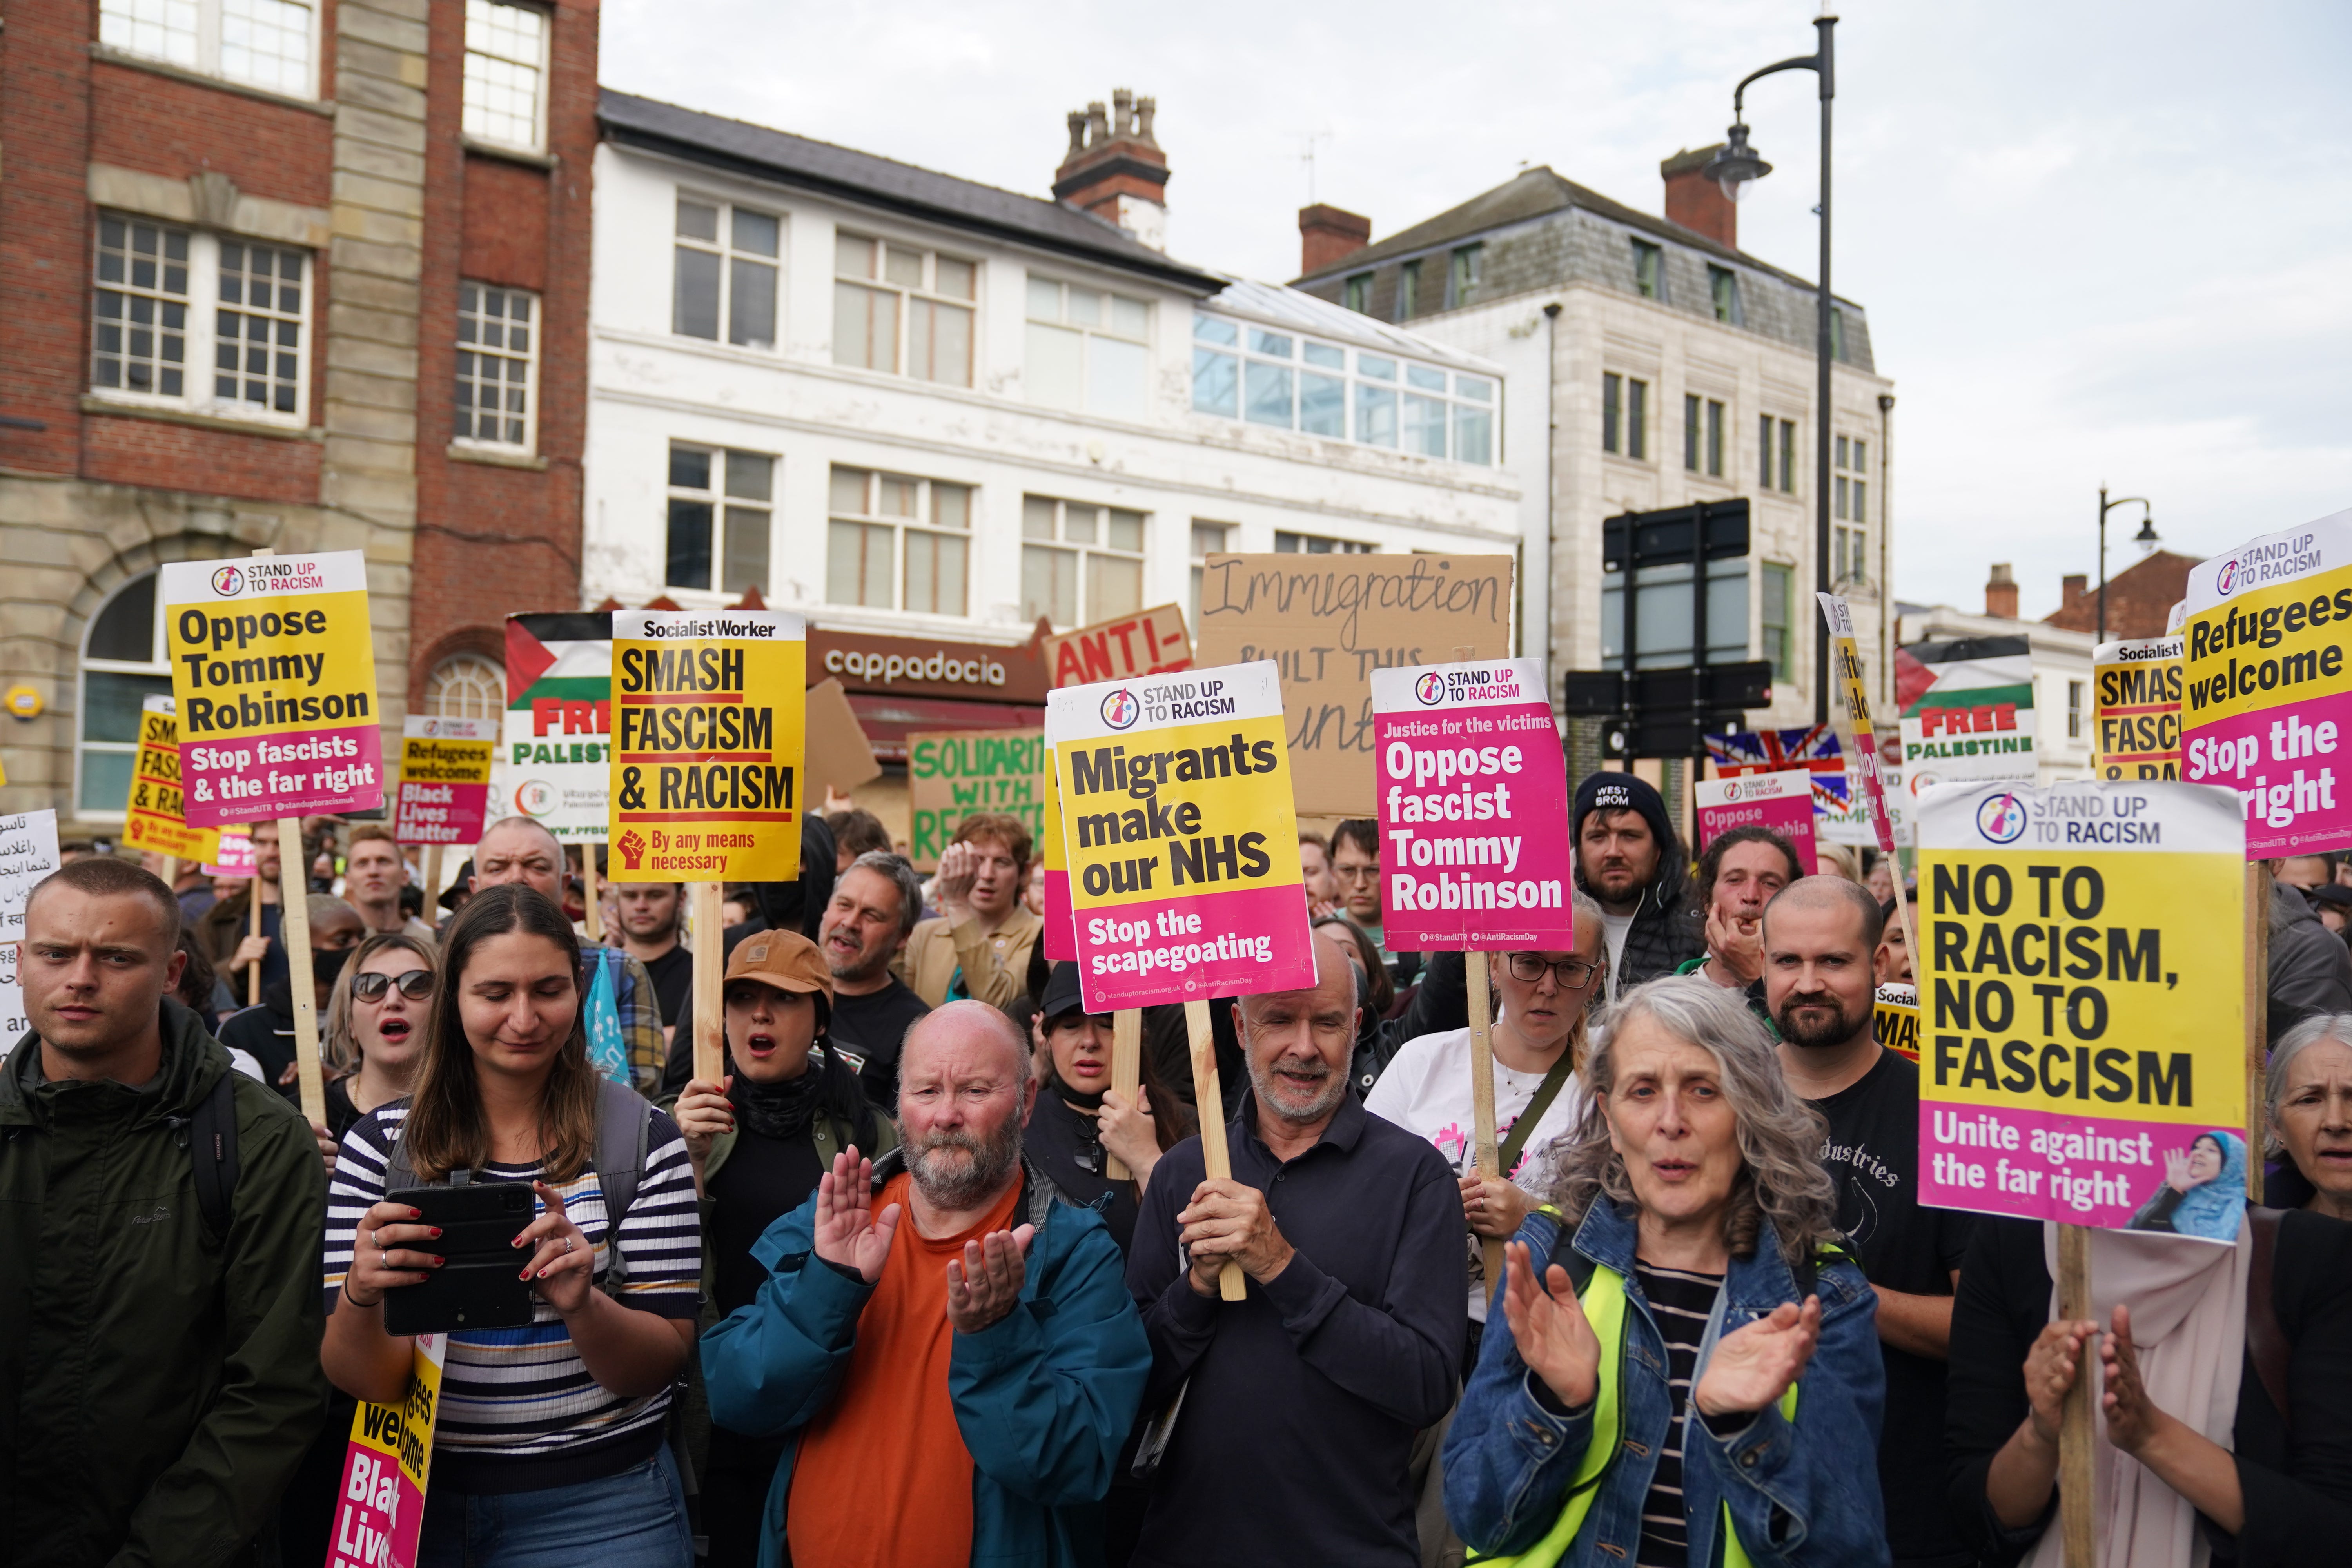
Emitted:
pixel 480 1284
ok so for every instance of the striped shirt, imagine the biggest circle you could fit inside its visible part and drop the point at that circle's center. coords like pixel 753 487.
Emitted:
pixel 1681 1302
pixel 520 1401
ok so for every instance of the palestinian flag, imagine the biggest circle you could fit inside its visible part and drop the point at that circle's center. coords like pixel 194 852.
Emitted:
pixel 553 762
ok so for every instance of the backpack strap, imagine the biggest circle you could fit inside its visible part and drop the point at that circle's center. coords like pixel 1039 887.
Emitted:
pixel 212 1149
pixel 624 1121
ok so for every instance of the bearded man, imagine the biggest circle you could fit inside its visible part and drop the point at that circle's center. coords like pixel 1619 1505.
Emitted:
pixel 944 1339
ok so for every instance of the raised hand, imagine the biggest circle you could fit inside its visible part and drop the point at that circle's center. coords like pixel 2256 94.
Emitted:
pixel 984 1283
pixel 1754 1364
pixel 1125 1128
pixel 954 881
pixel 1548 1326
pixel 849 1235
pixel 2175 1170
pixel 1737 945
pixel 703 1113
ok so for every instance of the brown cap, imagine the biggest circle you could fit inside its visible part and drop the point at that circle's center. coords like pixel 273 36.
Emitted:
pixel 783 959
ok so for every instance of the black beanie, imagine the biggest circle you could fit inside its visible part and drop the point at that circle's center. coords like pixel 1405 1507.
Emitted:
pixel 1608 790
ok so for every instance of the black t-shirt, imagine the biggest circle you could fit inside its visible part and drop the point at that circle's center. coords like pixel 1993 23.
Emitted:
pixel 763 1180
pixel 868 1030
pixel 1062 1142
pixel 673 975
pixel 1872 1155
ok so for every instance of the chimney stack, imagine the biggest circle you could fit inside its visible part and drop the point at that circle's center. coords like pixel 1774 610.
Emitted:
pixel 1329 236
pixel 1115 169
pixel 1697 202
pixel 2000 593
pixel 2074 588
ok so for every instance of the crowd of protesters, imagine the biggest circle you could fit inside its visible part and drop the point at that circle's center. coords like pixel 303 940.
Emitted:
pixel 912 1280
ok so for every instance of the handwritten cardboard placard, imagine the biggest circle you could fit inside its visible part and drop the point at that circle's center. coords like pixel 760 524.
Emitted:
pixel 1153 642
pixel 29 852
pixel 951 774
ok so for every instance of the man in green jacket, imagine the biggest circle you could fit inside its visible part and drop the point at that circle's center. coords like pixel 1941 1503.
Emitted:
pixel 158 1376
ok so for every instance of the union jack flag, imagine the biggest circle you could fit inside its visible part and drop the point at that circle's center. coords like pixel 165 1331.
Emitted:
pixel 1812 750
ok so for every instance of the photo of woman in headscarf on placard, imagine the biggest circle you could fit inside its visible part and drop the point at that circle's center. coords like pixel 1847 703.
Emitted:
pixel 2204 1190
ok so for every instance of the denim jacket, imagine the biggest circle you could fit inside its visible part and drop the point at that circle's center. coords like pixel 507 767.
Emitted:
pixel 1800 1493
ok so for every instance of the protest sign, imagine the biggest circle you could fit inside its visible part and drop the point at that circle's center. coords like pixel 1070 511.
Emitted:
pixel 1895 1018
pixel 553 762
pixel 1783 802
pixel 273 665
pixel 1976 721
pixel 1150 643
pixel 1182 848
pixel 1472 808
pixel 707 708
pixel 152 819
pixel 2136 693
pixel 2266 703
pixel 1327 622
pixel 233 856
pixel 1061 933
pixel 2084 1004
pixel 29 852
pixel 951 774
pixel 380 1507
pixel 839 756
pixel 445 779
pixel 1864 774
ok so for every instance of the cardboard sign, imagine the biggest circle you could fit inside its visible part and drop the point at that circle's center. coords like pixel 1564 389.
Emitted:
pixel 2135 687
pixel 379 1509
pixel 29 852
pixel 151 818
pixel 445 780
pixel 554 763
pixel 840 757
pixel 1182 848
pixel 2082 977
pixel 1863 768
pixel 1472 801
pixel 1783 802
pixel 1061 933
pixel 1151 643
pixel 2266 705
pixel 1895 1018
pixel 1975 723
pixel 951 774
pixel 1327 622
pixel 233 856
pixel 274 667
pixel 708 707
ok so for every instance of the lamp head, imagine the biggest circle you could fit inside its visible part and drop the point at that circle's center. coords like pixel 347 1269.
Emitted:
pixel 1737 165
pixel 2146 537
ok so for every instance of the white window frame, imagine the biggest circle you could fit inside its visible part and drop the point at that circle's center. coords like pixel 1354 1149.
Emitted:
pixel 1059 542
pixel 724 505
pixel 202 333
pixel 1850 508
pixel 907 294
pixel 1049 305
pixel 730 255
pixel 466 685
pixel 537 329
pixel 1289 542
pixel 156 669
pixel 1371 382
pixel 480 10
pixel 923 524
pixel 1209 538
pixel 121 19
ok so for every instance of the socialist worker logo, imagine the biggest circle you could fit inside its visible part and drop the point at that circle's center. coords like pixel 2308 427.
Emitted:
pixel 1430 688
pixel 228 581
pixel 1121 708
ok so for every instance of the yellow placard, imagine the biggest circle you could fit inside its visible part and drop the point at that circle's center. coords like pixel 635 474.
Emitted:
pixel 1895 1019
pixel 709 712
pixel 2135 687
pixel 152 819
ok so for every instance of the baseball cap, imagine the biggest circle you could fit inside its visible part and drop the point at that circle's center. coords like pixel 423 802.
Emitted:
pixel 1062 992
pixel 2331 893
pixel 783 959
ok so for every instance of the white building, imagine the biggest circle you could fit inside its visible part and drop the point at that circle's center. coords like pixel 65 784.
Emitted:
pixel 2066 722
pixel 909 404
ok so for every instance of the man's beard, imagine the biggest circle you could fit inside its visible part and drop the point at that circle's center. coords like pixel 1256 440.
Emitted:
pixel 1272 1091
pixel 952 1184
pixel 1837 1032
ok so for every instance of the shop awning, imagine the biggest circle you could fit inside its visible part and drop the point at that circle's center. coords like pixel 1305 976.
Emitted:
pixel 888 720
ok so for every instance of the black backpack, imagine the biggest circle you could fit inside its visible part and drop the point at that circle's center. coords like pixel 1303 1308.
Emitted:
pixel 209 1134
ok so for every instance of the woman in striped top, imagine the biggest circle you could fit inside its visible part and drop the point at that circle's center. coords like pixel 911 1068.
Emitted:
pixel 549 1448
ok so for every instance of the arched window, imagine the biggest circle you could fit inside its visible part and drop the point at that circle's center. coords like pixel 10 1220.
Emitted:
pixel 123 663
pixel 465 685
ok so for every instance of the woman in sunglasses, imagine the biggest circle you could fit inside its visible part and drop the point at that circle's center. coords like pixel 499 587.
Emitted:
pixel 375 1024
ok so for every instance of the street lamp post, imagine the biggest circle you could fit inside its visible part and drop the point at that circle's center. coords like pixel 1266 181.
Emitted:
pixel 2147 535
pixel 1732 168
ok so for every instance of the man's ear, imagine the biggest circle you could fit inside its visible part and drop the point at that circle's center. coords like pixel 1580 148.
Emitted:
pixel 173 968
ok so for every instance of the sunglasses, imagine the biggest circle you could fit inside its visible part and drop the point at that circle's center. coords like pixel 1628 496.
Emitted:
pixel 417 984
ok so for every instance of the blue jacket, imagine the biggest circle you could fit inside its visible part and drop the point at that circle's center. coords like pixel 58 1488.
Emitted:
pixel 1800 1493
pixel 1045 1397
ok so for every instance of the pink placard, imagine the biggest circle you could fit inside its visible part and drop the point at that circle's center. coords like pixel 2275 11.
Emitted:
pixel 1783 802
pixel 235 854
pixel 1472 801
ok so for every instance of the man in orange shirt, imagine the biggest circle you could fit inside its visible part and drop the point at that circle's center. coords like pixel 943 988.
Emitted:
pixel 949 1341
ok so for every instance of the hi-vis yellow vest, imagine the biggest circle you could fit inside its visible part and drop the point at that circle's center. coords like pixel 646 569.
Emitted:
pixel 1603 1300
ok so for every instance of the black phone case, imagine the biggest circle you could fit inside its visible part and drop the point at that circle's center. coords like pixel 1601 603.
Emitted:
pixel 480 1284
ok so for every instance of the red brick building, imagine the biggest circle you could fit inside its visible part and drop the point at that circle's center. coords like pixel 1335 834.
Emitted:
pixel 309 274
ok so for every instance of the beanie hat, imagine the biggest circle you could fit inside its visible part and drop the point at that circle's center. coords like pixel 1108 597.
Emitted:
pixel 1607 791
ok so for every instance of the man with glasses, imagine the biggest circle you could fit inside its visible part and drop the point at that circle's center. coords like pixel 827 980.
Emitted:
pixel 1356 869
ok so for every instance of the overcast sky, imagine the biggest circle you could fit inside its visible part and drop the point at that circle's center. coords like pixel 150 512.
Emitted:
pixel 2098 242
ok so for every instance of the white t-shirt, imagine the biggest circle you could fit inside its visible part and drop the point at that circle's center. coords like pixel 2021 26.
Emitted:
pixel 1426 1091
pixel 1614 928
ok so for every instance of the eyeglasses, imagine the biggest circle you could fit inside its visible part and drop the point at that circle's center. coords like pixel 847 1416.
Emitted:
pixel 417 984
pixel 1357 873
pixel 1571 974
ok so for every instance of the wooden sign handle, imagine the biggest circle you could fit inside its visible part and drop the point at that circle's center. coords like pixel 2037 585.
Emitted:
pixel 1126 1072
pixel 592 908
pixel 2257 971
pixel 1902 914
pixel 709 935
pixel 1482 1097
pixel 432 883
pixel 294 935
pixel 2077 1432
pixel 169 870
pixel 253 915
pixel 1216 1163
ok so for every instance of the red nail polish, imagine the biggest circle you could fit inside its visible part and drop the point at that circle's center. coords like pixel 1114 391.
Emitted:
pixel 524 1274
pixel 437 1230
pixel 416 1214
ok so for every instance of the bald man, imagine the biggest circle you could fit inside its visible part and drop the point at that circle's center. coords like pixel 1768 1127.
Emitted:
pixel 943 1339
pixel 1819 937
pixel 1304 1398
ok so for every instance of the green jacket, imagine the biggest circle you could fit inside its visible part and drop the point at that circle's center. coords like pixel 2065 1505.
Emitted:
pixel 158 1383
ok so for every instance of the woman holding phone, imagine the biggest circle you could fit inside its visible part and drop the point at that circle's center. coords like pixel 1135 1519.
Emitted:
pixel 549 1448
